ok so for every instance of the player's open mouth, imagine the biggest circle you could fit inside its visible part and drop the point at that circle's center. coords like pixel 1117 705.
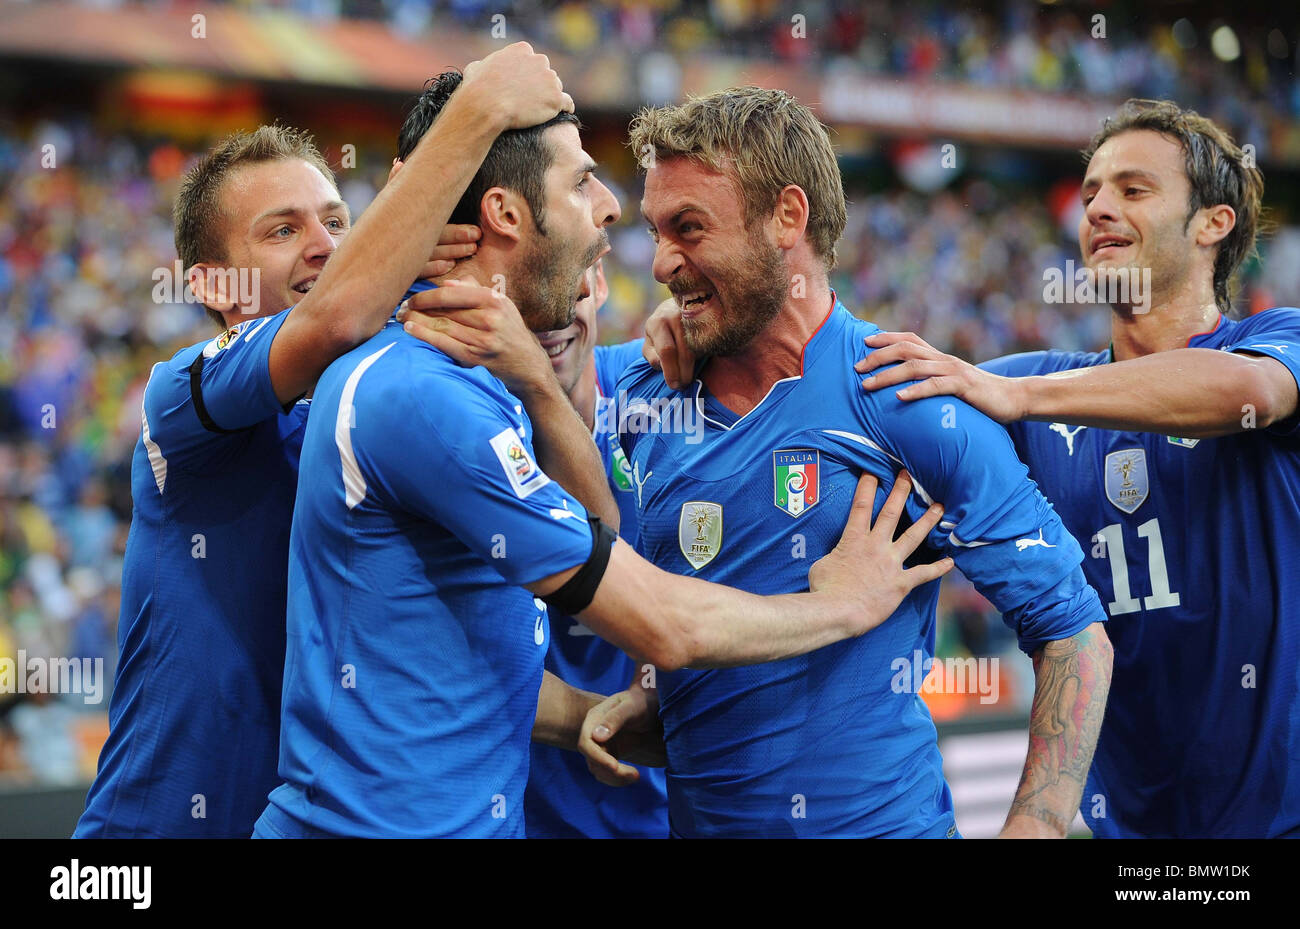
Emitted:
pixel 558 349
pixel 1104 244
pixel 304 286
pixel 694 302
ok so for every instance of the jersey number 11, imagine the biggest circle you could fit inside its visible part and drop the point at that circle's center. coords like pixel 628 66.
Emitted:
pixel 1125 602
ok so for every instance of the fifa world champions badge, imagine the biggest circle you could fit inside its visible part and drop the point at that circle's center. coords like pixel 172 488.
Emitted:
pixel 1127 484
pixel 699 532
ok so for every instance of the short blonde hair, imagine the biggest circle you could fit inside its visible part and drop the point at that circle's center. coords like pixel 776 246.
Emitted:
pixel 765 138
pixel 198 213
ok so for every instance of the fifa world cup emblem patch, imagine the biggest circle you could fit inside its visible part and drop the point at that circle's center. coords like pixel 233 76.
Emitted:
pixel 699 532
pixel 619 469
pixel 1127 483
pixel 796 485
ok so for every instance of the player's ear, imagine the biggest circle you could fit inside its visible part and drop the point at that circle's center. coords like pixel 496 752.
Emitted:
pixel 790 216
pixel 1215 223
pixel 392 172
pixel 211 286
pixel 503 212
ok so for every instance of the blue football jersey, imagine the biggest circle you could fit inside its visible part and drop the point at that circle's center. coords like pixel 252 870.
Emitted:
pixel 414 658
pixel 195 716
pixel 563 799
pixel 835 742
pixel 1196 554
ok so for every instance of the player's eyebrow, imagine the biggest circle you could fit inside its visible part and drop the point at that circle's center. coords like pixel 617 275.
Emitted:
pixel 588 166
pixel 286 212
pixel 689 208
pixel 1121 176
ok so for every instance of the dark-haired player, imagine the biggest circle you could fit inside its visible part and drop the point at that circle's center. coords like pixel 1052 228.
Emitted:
pixel 1175 457
pixel 194 718
pixel 431 537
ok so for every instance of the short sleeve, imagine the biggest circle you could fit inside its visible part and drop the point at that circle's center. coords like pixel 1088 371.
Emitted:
pixel 1274 334
pixel 450 449
pixel 1024 364
pixel 197 404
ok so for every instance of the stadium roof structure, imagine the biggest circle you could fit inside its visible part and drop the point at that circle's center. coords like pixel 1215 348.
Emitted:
pixel 274 46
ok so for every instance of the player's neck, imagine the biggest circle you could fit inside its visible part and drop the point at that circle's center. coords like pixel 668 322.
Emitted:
pixel 583 395
pixel 741 381
pixel 1169 324
pixel 235 317
pixel 477 269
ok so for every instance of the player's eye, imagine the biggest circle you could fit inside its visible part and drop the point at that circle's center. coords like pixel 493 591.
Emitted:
pixel 336 224
pixel 654 233
pixel 280 229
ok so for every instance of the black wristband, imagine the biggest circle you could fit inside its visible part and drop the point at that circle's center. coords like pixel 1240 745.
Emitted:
pixel 576 594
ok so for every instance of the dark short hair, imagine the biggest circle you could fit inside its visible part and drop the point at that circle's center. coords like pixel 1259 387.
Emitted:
pixel 198 215
pixel 1217 172
pixel 518 159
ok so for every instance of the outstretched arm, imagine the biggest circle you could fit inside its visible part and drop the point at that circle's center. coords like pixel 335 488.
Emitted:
pixel 676 622
pixel 1072 678
pixel 393 240
pixel 1188 392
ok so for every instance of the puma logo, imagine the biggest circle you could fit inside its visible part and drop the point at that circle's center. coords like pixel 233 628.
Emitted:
pixel 1022 544
pixel 1064 430
pixel 639 481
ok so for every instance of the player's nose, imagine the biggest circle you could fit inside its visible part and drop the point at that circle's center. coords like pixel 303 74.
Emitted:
pixel 605 208
pixel 668 261
pixel 319 243
pixel 1102 208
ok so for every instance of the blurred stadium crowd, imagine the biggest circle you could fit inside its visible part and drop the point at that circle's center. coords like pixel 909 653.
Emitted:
pixel 80 247
pixel 1239 79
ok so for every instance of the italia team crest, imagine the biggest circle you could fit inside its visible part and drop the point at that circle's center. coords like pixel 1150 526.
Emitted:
pixel 1127 484
pixel 796 484
pixel 699 532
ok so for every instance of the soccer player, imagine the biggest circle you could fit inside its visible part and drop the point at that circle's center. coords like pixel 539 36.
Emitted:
pixel 1174 456
pixel 431 537
pixel 563 800
pixel 744 201
pixel 194 718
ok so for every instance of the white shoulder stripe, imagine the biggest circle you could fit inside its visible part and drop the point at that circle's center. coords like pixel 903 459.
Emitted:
pixel 863 440
pixel 354 485
pixel 255 329
pixel 156 460
pixel 952 537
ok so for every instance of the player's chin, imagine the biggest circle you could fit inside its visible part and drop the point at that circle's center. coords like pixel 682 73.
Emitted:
pixel 700 337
